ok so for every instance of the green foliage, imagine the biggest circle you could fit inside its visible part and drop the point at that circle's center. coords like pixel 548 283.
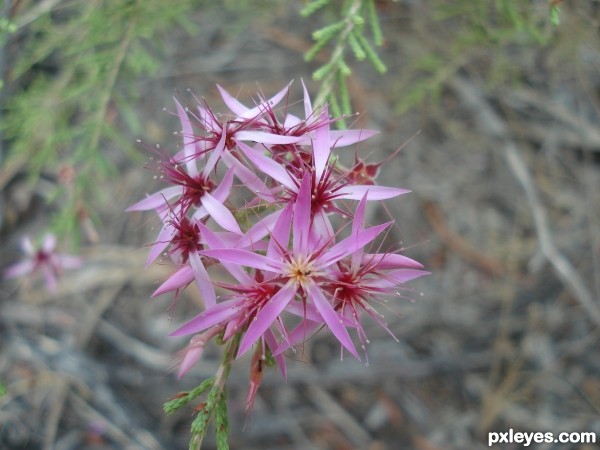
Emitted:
pixel 184 398
pixel 347 31
pixel 475 29
pixel 555 15
pixel 2 390
pixel 69 97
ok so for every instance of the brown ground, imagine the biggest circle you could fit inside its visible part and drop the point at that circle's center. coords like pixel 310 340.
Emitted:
pixel 505 212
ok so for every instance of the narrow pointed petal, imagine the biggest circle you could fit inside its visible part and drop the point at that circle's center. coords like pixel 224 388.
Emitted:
pixel 223 190
pixel 19 269
pixel 268 104
pixel 208 318
pixel 203 281
pixel 308 109
pixel 343 138
pixel 220 213
pixel 181 278
pixel 388 261
pixel 50 278
pixel 215 155
pixel 232 103
pixel 352 192
pixel 267 315
pixel 396 277
pixel 357 225
pixel 208 122
pixel 245 258
pixel 268 166
pixel 351 244
pixel 248 178
pixel 189 147
pixel 321 148
pixel 162 241
pixel 306 311
pixel 262 137
pixel 157 200
pixel 214 242
pixel 281 233
pixel 321 230
pixel 259 230
pixel 49 243
pixel 192 355
pixel 331 318
pixel 302 213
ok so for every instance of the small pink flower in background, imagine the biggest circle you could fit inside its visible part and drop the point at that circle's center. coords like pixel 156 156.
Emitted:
pixel 44 259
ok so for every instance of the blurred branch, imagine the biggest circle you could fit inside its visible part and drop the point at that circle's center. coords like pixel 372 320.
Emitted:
pixel 489 123
pixel 35 13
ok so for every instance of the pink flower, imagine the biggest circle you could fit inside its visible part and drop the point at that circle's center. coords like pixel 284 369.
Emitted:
pixel 250 196
pixel 44 259
pixel 301 270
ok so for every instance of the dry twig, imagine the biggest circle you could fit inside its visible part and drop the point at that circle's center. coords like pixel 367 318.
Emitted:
pixel 489 123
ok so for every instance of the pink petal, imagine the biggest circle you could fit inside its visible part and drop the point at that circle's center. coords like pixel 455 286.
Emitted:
pixel 208 122
pixel 306 311
pixel 331 318
pixel 262 107
pixel 189 147
pixel 181 278
pixel 162 241
pixel 248 178
pixel 267 315
pixel 302 213
pixel 321 230
pixel 262 137
pixel 268 166
pixel 19 269
pixel 192 355
pixel 308 109
pixel 206 319
pixel 215 155
pixel 49 243
pixel 396 277
pixel 214 242
pixel 281 233
pixel 156 200
pixel 50 277
pixel 259 230
pixel 343 138
pixel 222 191
pixel 352 192
pixel 203 281
pixel 232 103
pixel 357 225
pixel 350 245
pixel 220 213
pixel 245 258
pixel 387 261
pixel 321 148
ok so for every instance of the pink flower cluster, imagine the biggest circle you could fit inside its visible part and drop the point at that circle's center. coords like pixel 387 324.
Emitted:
pixel 253 193
pixel 44 259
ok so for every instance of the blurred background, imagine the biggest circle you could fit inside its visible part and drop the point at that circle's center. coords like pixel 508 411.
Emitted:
pixel 504 99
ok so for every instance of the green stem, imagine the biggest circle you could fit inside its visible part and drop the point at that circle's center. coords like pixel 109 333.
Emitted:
pixel 215 396
pixel 329 79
